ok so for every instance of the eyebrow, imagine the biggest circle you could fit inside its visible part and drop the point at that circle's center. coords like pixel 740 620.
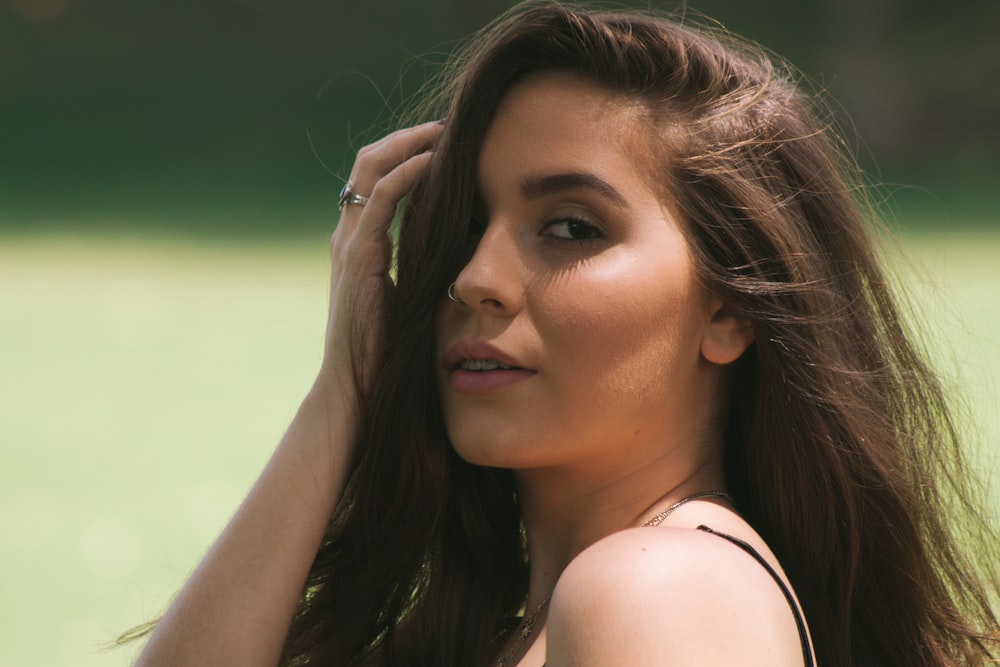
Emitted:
pixel 539 186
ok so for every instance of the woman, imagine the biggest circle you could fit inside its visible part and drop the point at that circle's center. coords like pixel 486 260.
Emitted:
pixel 638 395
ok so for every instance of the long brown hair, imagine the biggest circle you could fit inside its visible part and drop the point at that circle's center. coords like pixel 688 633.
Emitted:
pixel 840 450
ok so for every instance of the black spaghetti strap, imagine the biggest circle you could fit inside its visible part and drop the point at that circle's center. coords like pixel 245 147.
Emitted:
pixel 807 654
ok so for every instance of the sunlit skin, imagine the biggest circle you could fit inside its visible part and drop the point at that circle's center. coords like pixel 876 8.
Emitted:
pixel 607 407
pixel 583 277
pixel 583 282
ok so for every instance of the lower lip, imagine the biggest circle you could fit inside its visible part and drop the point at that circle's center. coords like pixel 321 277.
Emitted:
pixel 484 382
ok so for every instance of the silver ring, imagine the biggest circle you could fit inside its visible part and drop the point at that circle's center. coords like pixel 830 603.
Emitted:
pixel 349 196
pixel 451 293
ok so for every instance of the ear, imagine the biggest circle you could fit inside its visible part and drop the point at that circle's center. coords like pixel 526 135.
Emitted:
pixel 726 336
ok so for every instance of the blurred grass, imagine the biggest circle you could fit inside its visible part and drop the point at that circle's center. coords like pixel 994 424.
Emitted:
pixel 145 380
pixel 143 384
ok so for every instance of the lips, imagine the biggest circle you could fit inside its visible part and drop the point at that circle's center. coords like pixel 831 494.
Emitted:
pixel 483 365
pixel 476 367
pixel 473 355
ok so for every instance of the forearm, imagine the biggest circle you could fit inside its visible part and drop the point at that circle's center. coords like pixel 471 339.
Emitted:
pixel 237 605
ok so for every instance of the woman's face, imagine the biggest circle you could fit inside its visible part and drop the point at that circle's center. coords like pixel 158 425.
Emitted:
pixel 581 325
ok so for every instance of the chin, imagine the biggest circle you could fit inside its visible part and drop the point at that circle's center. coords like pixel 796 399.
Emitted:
pixel 481 452
pixel 490 449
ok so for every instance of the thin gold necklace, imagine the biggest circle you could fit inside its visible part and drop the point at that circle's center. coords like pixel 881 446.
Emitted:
pixel 523 630
pixel 657 519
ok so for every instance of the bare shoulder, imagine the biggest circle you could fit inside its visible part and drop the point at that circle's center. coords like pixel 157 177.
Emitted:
pixel 669 596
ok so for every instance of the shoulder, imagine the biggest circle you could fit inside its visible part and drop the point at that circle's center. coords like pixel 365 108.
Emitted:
pixel 669 596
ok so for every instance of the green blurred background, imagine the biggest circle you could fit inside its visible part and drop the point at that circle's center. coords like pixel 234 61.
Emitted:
pixel 168 179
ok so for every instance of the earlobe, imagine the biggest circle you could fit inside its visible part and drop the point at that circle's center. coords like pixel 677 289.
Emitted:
pixel 726 337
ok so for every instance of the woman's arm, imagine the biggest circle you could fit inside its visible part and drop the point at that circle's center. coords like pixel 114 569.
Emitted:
pixel 236 607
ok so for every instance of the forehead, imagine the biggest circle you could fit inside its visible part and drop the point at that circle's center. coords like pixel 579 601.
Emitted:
pixel 557 122
pixel 549 91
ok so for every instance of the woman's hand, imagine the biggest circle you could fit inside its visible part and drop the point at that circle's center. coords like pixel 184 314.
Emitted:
pixel 361 250
pixel 236 607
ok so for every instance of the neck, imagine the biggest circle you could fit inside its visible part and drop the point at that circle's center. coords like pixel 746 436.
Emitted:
pixel 566 510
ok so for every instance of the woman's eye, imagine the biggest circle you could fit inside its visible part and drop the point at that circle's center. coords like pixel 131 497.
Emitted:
pixel 572 229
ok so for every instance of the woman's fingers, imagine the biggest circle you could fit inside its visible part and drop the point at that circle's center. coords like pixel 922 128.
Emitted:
pixel 381 206
pixel 360 248
pixel 377 161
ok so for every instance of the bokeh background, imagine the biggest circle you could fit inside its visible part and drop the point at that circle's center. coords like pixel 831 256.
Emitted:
pixel 168 179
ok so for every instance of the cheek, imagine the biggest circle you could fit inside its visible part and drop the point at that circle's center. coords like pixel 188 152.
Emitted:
pixel 624 330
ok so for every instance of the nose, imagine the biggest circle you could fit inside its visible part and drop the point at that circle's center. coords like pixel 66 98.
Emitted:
pixel 494 278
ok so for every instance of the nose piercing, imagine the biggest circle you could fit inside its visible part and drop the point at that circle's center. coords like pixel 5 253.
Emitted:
pixel 451 293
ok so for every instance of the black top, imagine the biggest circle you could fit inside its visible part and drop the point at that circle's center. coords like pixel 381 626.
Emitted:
pixel 800 623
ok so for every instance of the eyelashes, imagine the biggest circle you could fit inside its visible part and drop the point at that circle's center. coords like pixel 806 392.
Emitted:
pixel 572 228
pixel 562 228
